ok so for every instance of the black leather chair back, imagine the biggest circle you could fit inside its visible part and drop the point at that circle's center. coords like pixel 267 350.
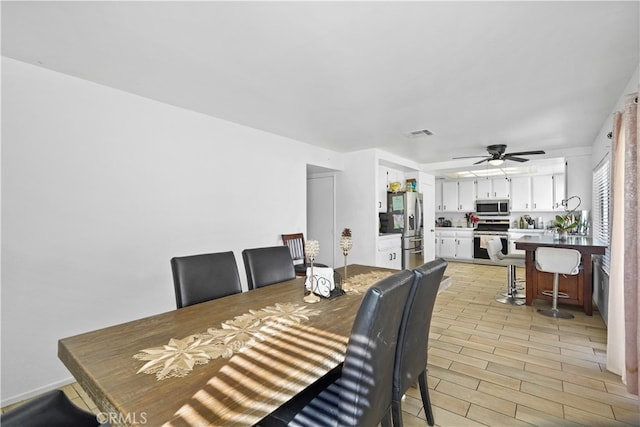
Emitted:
pixel 51 409
pixel 358 394
pixel 411 352
pixel 266 266
pixel 367 372
pixel 200 278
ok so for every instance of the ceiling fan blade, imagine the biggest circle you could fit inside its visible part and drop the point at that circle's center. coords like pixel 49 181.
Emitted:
pixel 525 153
pixel 515 159
pixel 483 160
pixel 468 157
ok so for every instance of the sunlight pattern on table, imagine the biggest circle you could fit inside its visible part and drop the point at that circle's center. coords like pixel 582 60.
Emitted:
pixel 179 356
pixel 361 282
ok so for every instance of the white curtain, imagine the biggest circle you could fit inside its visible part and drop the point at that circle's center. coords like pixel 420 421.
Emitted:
pixel 623 342
pixel 615 327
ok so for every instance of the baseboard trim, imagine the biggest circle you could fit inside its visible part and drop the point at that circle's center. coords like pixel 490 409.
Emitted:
pixel 36 392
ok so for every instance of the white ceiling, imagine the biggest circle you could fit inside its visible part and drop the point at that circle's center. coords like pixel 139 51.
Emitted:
pixel 354 75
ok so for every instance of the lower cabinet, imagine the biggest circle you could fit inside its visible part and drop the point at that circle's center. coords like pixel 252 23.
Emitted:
pixel 452 244
pixel 389 252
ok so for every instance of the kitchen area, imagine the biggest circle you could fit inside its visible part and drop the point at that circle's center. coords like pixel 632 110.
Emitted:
pixel 509 202
pixel 459 205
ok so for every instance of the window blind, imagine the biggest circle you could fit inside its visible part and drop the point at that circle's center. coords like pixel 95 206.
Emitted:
pixel 602 206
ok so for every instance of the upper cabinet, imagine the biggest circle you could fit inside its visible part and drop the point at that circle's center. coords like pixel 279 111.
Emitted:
pixel 501 187
pixel 539 193
pixel 520 193
pixel 386 176
pixel 455 196
pixel 466 196
pixel 542 192
pixel 559 191
pixel 449 196
pixel 492 188
pixel 438 197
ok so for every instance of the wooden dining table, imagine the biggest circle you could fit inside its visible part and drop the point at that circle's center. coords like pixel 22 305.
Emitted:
pixel 229 361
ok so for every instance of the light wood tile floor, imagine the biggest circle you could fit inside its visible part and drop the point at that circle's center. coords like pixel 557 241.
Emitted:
pixel 492 364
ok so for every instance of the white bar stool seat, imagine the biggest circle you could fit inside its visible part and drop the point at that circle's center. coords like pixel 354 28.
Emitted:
pixel 557 261
pixel 494 249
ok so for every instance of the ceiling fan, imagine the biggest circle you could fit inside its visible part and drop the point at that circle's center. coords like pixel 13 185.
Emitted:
pixel 497 155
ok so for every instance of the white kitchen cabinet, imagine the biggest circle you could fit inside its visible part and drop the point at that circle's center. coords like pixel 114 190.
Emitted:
pixel 381 188
pixel 494 188
pixel 483 189
pixel 452 244
pixel 559 191
pixel 446 244
pixel 458 196
pixel 542 193
pixel 389 252
pixel 501 188
pixel 520 193
pixel 450 196
pixel 466 196
pixel 438 198
pixel 386 176
pixel 464 242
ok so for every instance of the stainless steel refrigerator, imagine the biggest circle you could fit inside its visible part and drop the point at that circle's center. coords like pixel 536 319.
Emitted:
pixel 405 211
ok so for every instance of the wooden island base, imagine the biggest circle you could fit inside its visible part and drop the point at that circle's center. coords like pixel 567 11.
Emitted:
pixel 579 288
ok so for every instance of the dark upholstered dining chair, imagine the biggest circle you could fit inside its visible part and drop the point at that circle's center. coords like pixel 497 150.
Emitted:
pixel 295 243
pixel 267 266
pixel 360 393
pixel 51 409
pixel 200 278
pixel 411 352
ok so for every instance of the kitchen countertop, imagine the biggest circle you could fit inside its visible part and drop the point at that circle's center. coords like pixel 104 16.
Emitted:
pixel 455 228
pixel 527 230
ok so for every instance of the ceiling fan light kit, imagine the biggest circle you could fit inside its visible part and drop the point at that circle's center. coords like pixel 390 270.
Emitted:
pixel 496 162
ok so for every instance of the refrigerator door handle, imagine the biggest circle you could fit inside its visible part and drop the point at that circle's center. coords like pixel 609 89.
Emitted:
pixel 419 224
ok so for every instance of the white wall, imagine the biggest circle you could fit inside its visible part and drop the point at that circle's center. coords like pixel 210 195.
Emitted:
pixel 602 144
pixel 100 188
pixel 356 201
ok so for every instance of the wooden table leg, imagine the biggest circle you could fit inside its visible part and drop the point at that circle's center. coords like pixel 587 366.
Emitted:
pixel 530 270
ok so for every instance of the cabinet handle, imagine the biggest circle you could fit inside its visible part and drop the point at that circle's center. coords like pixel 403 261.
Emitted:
pixel 526 205
pixel 390 257
pixel 444 207
pixel 495 194
pixel 379 205
pixel 460 208
pixel 534 205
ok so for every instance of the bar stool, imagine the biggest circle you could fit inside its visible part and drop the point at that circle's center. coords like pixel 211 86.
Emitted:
pixel 557 261
pixel 494 249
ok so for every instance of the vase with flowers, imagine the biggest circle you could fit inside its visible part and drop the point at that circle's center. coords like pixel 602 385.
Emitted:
pixel 472 219
pixel 562 225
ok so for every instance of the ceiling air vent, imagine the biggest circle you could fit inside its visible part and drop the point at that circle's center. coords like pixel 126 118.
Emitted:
pixel 418 133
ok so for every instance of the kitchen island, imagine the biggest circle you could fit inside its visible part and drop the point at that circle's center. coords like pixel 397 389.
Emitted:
pixel 579 288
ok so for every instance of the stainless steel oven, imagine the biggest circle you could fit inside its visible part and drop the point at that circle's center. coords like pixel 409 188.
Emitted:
pixel 486 229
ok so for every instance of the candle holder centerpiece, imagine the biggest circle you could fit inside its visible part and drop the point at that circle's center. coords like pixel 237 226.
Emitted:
pixel 345 244
pixel 311 249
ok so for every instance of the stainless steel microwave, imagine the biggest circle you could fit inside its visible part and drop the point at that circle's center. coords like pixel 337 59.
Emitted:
pixel 492 207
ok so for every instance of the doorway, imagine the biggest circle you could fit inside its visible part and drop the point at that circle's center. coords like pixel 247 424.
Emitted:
pixel 321 215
